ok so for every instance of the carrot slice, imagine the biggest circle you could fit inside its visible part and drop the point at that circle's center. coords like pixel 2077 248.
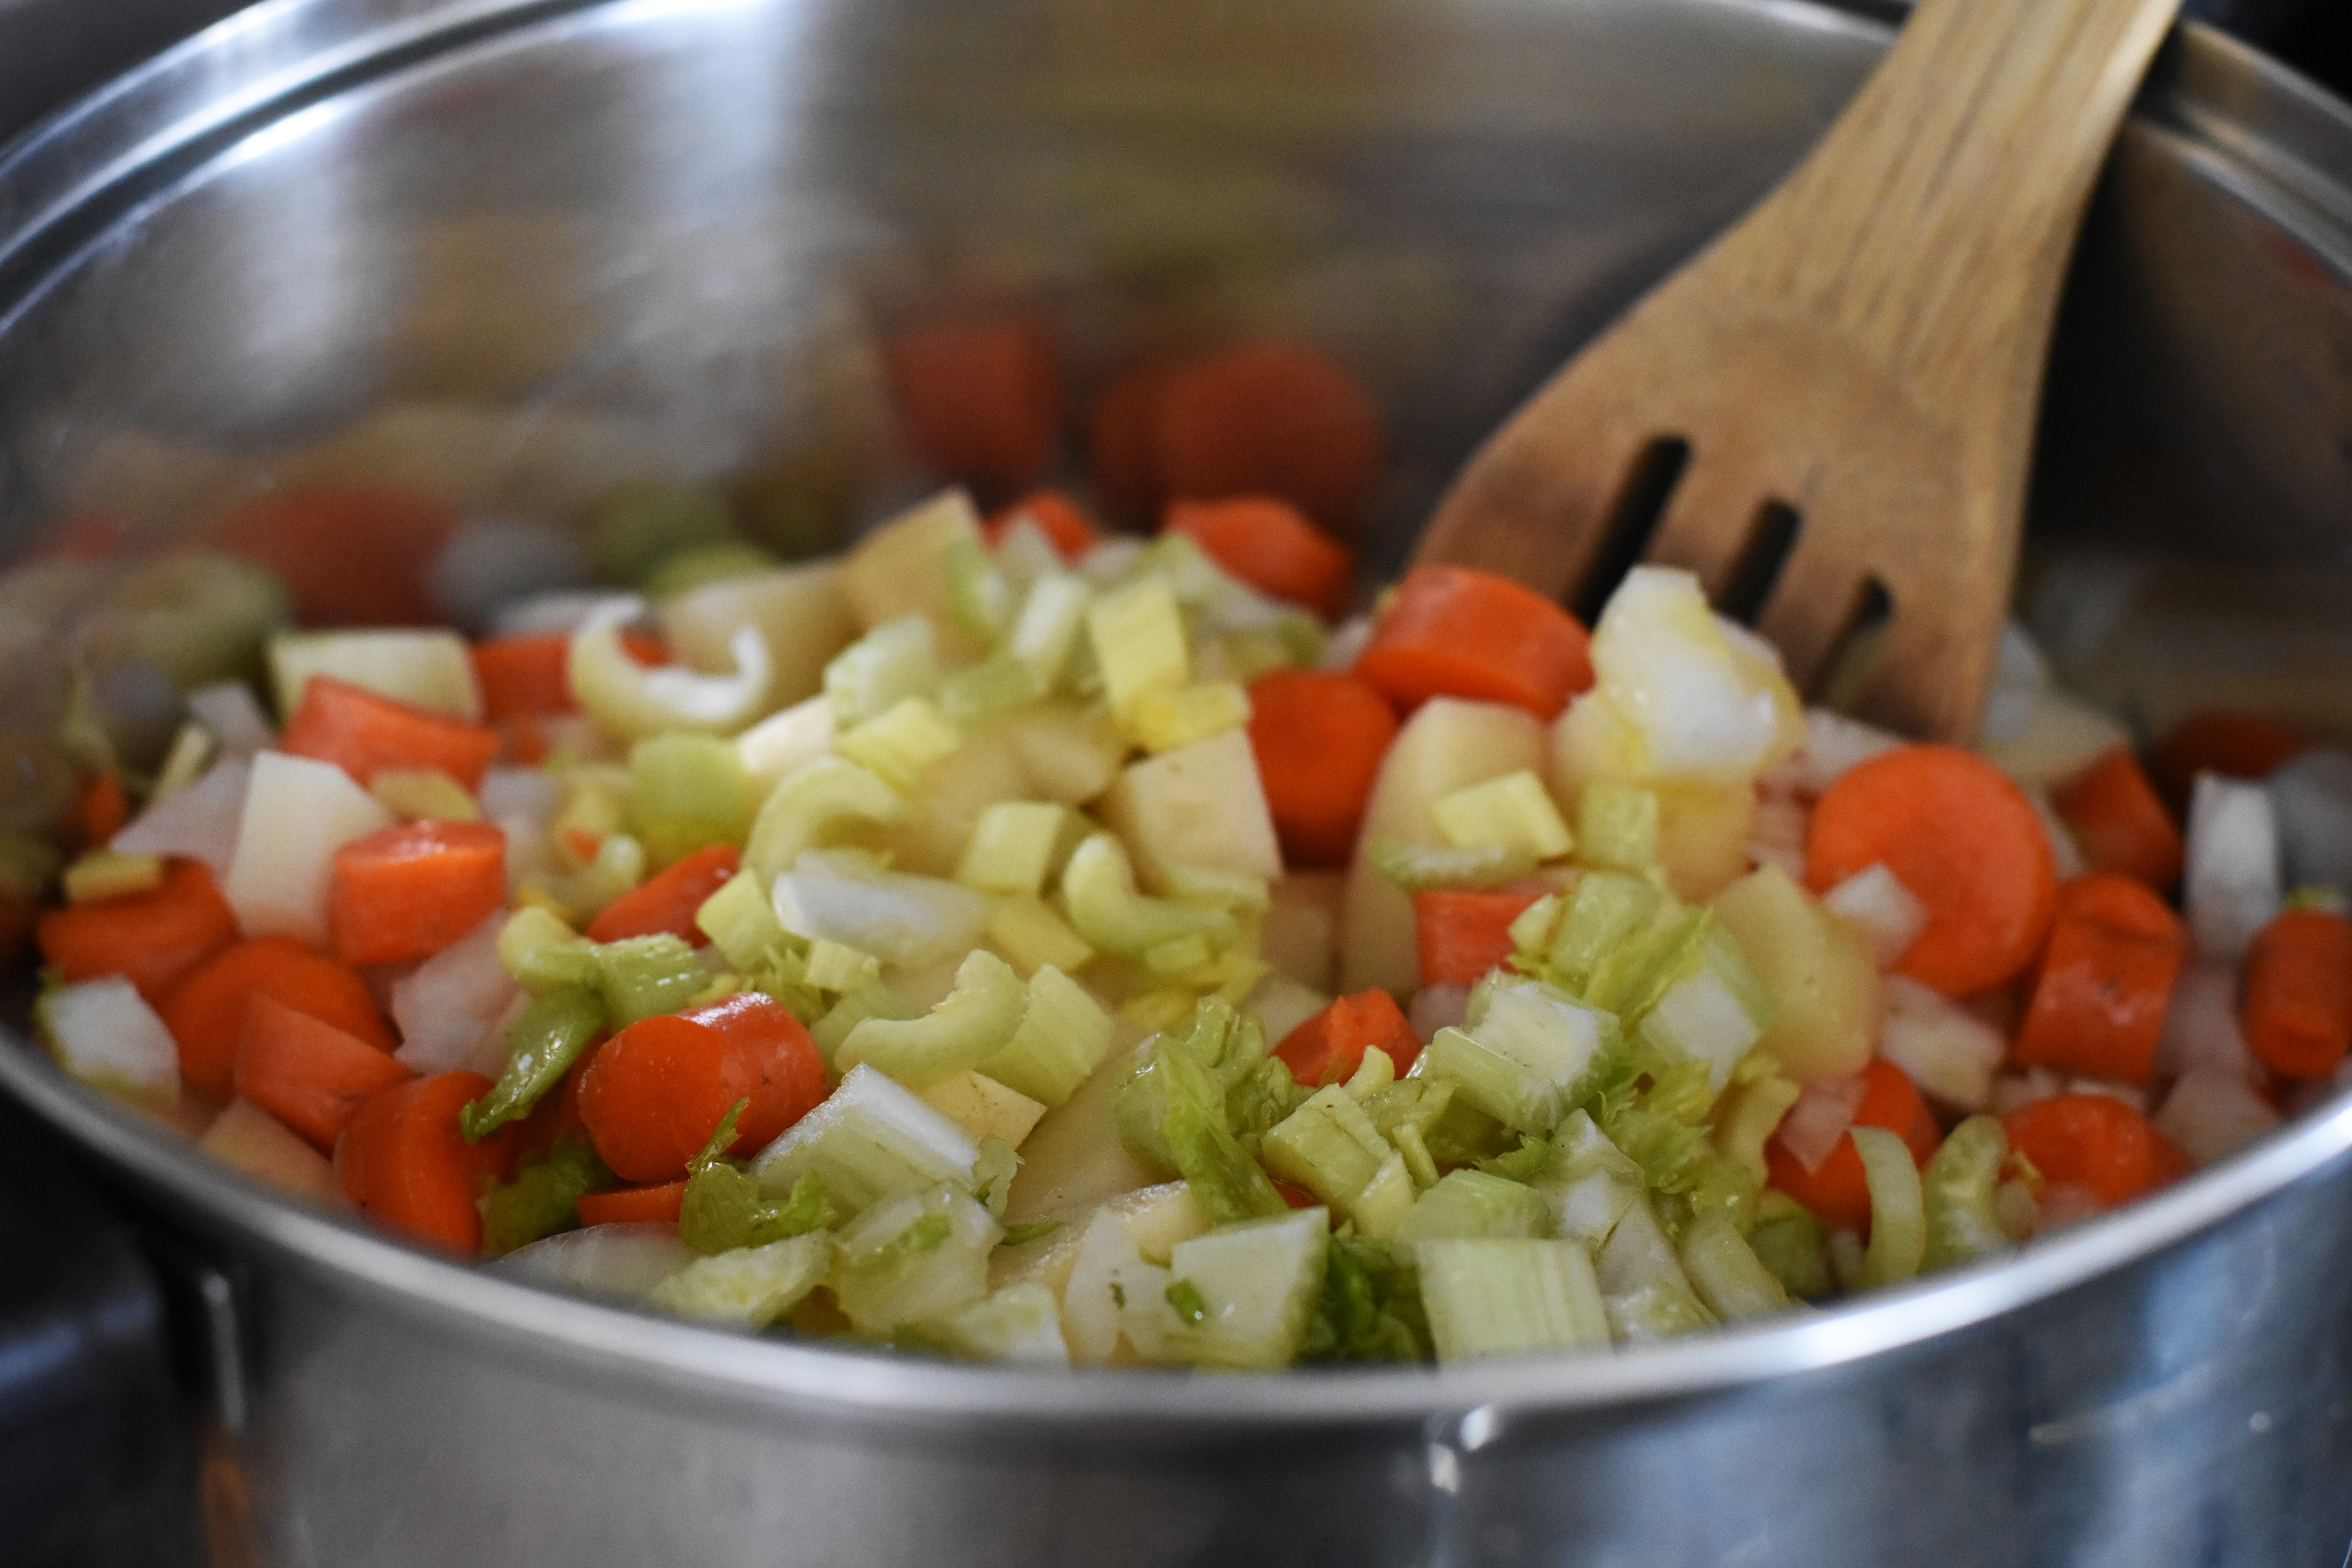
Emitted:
pixel 1461 935
pixel 524 674
pixel 363 733
pixel 2298 1012
pixel 652 1093
pixel 632 1206
pixel 308 1073
pixel 1067 528
pixel 2119 821
pixel 351 555
pixel 2103 982
pixel 1269 418
pixel 667 901
pixel 411 890
pixel 403 1161
pixel 1330 1047
pixel 1964 838
pixel 2220 741
pixel 1319 737
pixel 1269 543
pixel 1456 631
pixel 788 1072
pixel 2096 1143
pixel 206 1012
pixel 981 399
pixel 152 939
pixel 1123 437
pixel 1838 1189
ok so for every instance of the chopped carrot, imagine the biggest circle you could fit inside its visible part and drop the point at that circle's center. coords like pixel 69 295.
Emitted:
pixel 364 732
pixel 403 1161
pixel 206 1012
pixel 1296 1197
pixel 2120 823
pixel 1268 544
pixel 667 901
pixel 351 555
pixel 306 1072
pixel 524 674
pixel 1269 418
pixel 788 1072
pixel 1461 935
pixel 2096 1143
pixel 1838 1190
pixel 100 808
pixel 1330 1047
pixel 1121 438
pixel 1319 737
pixel 652 1093
pixel 2104 982
pixel 411 890
pixel 1067 529
pixel 2220 741
pixel 152 938
pixel 2297 1007
pixel 981 399
pixel 1963 837
pixel 1456 631
pixel 656 1205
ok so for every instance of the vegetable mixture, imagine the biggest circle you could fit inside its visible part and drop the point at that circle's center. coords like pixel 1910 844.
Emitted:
pixel 1015 940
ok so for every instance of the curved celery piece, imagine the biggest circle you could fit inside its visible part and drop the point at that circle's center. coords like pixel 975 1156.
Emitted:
pixel 542 952
pixel 1957 1194
pixel 1725 1272
pixel 1791 1240
pixel 1466 1204
pixel 988 690
pixel 1643 1286
pixel 551 1035
pixel 895 660
pixel 974 1022
pixel 542 1199
pixel 1064 1036
pixel 631 699
pixel 1047 627
pixel 1176 1112
pixel 740 921
pixel 749 1286
pixel 1899 1221
pixel 1418 868
pixel 871 1000
pixel 686 792
pixel 1509 1296
pixel 816 801
pixel 1098 891
pixel 642 975
pixel 979 596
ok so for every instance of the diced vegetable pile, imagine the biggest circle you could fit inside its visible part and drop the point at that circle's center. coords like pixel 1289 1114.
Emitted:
pixel 1011 939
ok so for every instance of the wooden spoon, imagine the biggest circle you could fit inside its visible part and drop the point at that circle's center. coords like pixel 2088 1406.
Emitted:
pixel 1827 414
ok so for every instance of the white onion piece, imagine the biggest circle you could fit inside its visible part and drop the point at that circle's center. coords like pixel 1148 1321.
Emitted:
pixel 104 1032
pixel 905 921
pixel 1946 1050
pixel 2201 1025
pixel 2313 797
pixel 1810 1131
pixel 231 712
pixel 1833 743
pixel 532 793
pixel 2232 883
pixel 2064 1204
pixel 2012 1090
pixel 1877 903
pixel 200 821
pixel 1436 1008
pixel 784 739
pixel 297 813
pixel 2211 1114
pixel 448 1002
pixel 623 1260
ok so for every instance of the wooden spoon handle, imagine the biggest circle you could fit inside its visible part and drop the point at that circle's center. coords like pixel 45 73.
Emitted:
pixel 1962 166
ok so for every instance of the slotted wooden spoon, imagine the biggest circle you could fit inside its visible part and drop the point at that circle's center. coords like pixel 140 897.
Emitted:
pixel 1827 414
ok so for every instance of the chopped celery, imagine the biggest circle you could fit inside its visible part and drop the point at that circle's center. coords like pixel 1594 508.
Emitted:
pixel 1420 868
pixel 899 745
pixel 1113 1293
pixel 1617 825
pixel 871 1000
pixel 1164 719
pixel 904 920
pixel 723 1208
pixel 1727 1273
pixel 974 1021
pixel 422 795
pixel 1466 1204
pixel 993 1172
pixel 1898 1223
pixel 1070 749
pixel 749 1286
pixel 1535 1052
pixel 782 971
pixel 595 806
pixel 1021 1323
pixel 739 921
pixel 1513 812
pixel 814 804
pixel 1064 1036
pixel 984 1107
pixel 1258 1284
pixel 552 1033
pixel 914 1259
pixel 1177 1112
pixel 836 966
pixel 111 874
pixel 1589 1184
pixel 1750 1112
pixel 633 701
pixel 1643 1286
pixel 540 1201
pixel 1412 1102
pixel 1957 1194
pixel 897 659
pixel 1138 636
pixel 542 952
pixel 1370 1308
pixel 1329 1147
pixel 1606 910
pixel 1172 959
pixel 870 1140
pixel 1217 885
pixel 1714 1013
pixel 1663 1127
pixel 619 865
pixel 1034 937
pixel 1012 845
pixel 1098 891
pixel 979 597
pixel 1790 1241
pixel 1048 627
pixel 977 696
pixel 1489 1296
pixel 686 792
pixel 1632 977
pixel 642 975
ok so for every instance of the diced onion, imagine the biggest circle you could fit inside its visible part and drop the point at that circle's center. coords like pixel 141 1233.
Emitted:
pixel 448 1004
pixel 2211 1114
pixel 200 821
pixel 1944 1048
pixel 2201 1025
pixel 903 920
pixel 234 715
pixel 2232 884
pixel 623 1260
pixel 104 1032
pixel 1833 743
pixel 1875 900
pixel 1810 1131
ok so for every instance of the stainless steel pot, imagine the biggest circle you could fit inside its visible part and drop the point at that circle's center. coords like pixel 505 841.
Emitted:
pixel 518 247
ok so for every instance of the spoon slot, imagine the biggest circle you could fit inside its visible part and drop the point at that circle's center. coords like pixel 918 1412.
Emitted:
pixel 1641 503
pixel 1769 538
pixel 1845 670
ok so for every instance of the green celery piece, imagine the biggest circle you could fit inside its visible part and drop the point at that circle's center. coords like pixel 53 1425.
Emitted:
pixel 1259 1283
pixel 1173 1112
pixel 1046 630
pixel 1527 1056
pixel 1328 1146
pixel 992 1173
pixel 1461 1134
pixel 1713 1183
pixel 1792 1241
pixel 813 805
pixel 782 971
pixel 1137 633
pixel 1606 909
pixel 551 1035
pixel 1488 1296
pixel 1418 868
pixel 1617 825
pixel 1957 1190
pixel 1370 1308
pixel 542 952
pixel 687 792
pixel 1898 1220
pixel 894 660
pixel 644 975
pixel 978 696
pixel 1633 976
pixel 1590 1182
pixel 1098 893
pixel 1663 1127
pixel 1184 1297
pixel 740 921
pixel 1262 1096
pixel 1475 1204
pixel 747 1286
pixel 1530 1161
pixel 1416 1103
pixel 1727 1273
pixel 1226 1182
pixel 914 1259
pixel 1642 1281
pixel 899 746
pixel 980 598
pixel 970 1024
pixel 871 1000
pixel 634 527
pixel 540 1201
pixel 1064 1036
pixel 723 1210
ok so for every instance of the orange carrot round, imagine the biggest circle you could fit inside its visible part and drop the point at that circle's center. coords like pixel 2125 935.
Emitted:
pixel 1838 1190
pixel 1269 418
pixel 2104 982
pixel 1319 737
pixel 667 901
pixel 652 1093
pixel 981 399
pixel 632 1206
pixel 2119 821
pixel 2297 1008
pixel 1459 935
pixel 1960 835
pixel 1067 528
pixel 206 1012
pixel 309 1075
pixel 154 939
pixel 351 555
pixel 1456 631
pixel 403 1160
pixel 364 732
pixel 524 675
pixel 411 890
pixel 2096 1143
pixel 1330 1047
pixel 787 1072
pixel 1269 543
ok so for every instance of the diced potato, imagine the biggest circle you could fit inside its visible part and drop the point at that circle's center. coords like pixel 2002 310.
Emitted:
pixel 1703 834
pixel 297 813
pixel 272 1154
pixel 986 1108
pixel 798 611
pixel 1200 805
pixel 1817 969
pixel 1301 935
pixel 1075 1159
pixel 899 569
pixel 979 774
pixel 430 669
pixel 1072 754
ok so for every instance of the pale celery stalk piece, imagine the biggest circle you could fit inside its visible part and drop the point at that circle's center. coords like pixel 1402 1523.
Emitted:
pixel 1258 1282
pixel 1643 1285
pixel 1590 1183
pixel 635 701
pixel 1020 1323
pixel 1164 719
pixel 900 744
pixel 1034 937
pixel 1725 1272
pixel 1374 1073
pixel 985 1108
pixel 1218 885
pixel 1715 1013
pixel 192 751
pixel 1012 846
pixel 1958 1196
pixel 619 865
pixel 1606 909
pixel 913 1259
pixel 105 1033
pixel 685 792
pixel 1420 868
pixel 1386 1199
pixel 817 803
pixel 1517 1296
pixel 111 874
pixel 904 920
pixel 1617 825
pixel 1050 616
pixel 1750 1112
pixel 594 804
pixel 1328 1146
pixel 869 1141
pixel 836 966
pixel 977 696
pixel 750 1287
pixel 1070 749
pixel 542 952
pixel 1469 1204
pixel 1113 1293
pixel 972 1023
pixel 1530 1055
pixel 297 813
pixel 1099 892
pixel 1138 636
pixel 1178 956
pixel 740 921
pixel 425 669
pixel 980 598
pixel 851 1009
pixel 780 742
pixel 424 795
pixel 1898 1222
pixel 1511 812
pixel 897 659
pixel 1064 1036
pixel 640 977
